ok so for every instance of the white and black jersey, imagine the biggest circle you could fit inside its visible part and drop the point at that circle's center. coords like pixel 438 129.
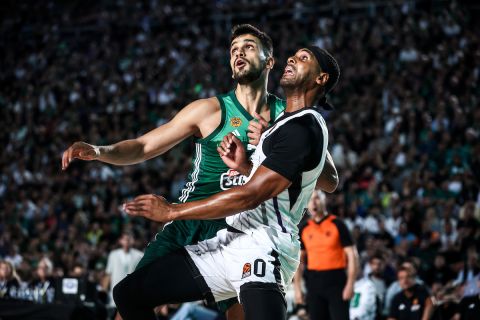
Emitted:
pixel 267 250
pixel 294 146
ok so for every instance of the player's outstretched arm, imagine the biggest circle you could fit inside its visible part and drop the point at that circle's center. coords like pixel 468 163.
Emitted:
pixel 186 123
pixel 264 184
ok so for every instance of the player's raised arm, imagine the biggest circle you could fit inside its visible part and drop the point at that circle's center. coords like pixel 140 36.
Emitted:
pixel 186 123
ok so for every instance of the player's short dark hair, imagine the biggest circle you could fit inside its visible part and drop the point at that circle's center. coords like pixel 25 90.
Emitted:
pixel 265 40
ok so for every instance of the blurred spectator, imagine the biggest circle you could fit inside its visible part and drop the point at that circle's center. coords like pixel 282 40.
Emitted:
pixel 469 307
pixel 365 303
pixel 121 262
pixel 8 279
pixel 440 272
pixel 192 310
pixel 446 304
pixel 469 277
pixel 42 287
pixel 413 302
pixel 404 236
pixel 14 256
pixel 396 287
pixel 375 270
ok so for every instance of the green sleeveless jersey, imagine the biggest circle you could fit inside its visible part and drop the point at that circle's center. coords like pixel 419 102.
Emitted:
pixel 209 175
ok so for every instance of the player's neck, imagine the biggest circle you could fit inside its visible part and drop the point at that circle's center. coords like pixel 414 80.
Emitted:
pixel 252 96
pixel 298 99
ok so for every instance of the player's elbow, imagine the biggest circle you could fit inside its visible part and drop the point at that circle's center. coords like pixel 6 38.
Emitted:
pixel 333 181
pixel 328 182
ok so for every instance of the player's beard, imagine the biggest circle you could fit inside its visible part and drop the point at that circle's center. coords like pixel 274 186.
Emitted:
pixel 249 76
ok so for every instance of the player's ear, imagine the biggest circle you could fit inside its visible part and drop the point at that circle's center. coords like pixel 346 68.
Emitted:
pixel 270 62
pixel 322 79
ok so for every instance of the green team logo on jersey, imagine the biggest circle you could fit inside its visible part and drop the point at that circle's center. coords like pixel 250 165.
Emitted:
pixel 231 178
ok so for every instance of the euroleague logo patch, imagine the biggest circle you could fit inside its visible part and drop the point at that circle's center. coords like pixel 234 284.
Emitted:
pixel 235 122
pixel 247 270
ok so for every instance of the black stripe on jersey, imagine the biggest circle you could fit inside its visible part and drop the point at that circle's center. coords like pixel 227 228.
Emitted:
pixel 279 215
pixel 294 190
pixel 276 271
pixel 263 207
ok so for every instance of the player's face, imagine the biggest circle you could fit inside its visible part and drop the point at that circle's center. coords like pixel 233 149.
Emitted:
pixel 302 69
pixel 247 58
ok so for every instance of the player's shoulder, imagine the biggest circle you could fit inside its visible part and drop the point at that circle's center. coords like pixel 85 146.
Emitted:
pixel 202 107
pixel 206 103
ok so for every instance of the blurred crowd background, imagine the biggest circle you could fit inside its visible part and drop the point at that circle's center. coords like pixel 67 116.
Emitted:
pixel 405 135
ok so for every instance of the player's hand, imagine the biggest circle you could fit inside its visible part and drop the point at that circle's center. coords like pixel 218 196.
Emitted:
pixel 79 150
pixel 256 128
pixel 347 293
pixel 233 154
pixel 149 206
pixel 299 298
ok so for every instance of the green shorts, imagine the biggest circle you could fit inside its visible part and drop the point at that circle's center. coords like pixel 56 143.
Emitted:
pixel 178 234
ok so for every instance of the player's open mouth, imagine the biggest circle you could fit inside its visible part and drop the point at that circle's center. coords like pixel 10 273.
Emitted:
pixel 289 71
pixel 240 63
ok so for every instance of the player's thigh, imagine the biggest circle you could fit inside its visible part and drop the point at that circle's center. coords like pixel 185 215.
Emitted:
pixel 173 237
pixel 167 279
pixel 246 263
pixel 261 300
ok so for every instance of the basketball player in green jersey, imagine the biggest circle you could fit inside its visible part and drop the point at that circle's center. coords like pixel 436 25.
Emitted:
pixel 208 121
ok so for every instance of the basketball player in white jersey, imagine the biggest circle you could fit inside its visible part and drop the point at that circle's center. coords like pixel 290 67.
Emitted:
pixel 258 254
